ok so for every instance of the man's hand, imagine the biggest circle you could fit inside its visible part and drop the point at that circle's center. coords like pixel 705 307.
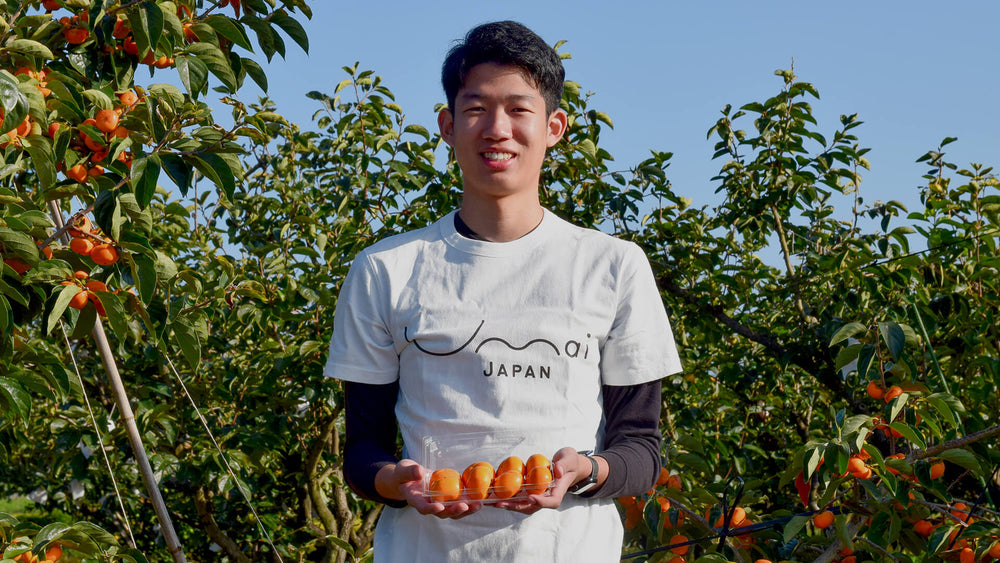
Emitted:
pixel 569 468
pixel 405 481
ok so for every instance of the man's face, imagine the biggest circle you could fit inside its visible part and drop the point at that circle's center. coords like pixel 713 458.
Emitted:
pixel 500 131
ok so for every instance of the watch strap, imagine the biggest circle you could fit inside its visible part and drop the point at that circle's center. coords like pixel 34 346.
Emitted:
pixel 591 481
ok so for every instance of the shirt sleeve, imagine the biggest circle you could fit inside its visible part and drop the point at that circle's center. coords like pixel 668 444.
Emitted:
pixel 370 419
pixel 362 348
pixel 640 344
pixel 631 440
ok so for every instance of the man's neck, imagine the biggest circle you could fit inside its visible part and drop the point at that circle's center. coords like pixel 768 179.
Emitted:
pixel 501 220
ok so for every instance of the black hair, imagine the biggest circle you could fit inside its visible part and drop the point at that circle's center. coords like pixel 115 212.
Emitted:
pixel 505 43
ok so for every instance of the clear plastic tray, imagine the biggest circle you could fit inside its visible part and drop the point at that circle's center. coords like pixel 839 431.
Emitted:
pixel 459 452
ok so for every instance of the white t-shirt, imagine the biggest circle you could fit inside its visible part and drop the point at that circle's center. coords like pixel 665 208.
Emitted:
pixel 502 339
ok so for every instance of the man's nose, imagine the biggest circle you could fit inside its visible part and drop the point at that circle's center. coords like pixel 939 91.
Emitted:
pixel 498 125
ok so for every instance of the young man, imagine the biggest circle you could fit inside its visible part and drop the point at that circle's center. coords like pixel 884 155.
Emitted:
pixel 502 318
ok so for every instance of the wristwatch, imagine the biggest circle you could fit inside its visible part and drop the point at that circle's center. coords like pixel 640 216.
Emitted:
pixel 591 481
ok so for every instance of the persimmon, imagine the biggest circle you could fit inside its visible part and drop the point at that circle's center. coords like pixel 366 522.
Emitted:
pixel 967 555
pixel 50 5
pixel 536 460
pixel 53 127
pixel 937 470
pixel 95 170
pixel 189 35
pixel 80 226
pixel 128 98
pixel 823 519
pixel 80 299
pixel 106 120
pixel 75 35
pixel 121 30
pixel 994 551
pixel 104 254
pixel 95 285
pixel 82 246
pixel 131 47
pixel 445 485
pixel 149 58
pixel 164 62
pixel 537 479
pixel 477 479
pixel 81 275
pixel 856 465
pixel 24 129
pixel 674 481
pixel 680 549
pixel 923 528
pixel 739 515
pixel 53 552
pixel 507 484
pixel 93 144
pixel 19 267
pixel 892 392
pixel 120 132
pixel 46 251
pixel 77 172
pixel 512 463
pixel 664 504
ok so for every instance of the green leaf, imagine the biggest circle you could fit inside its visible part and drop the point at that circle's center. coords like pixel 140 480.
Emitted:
pixel 62 302
pixel 897 405
pixel 147 26
pixel 14 398
pixel 116 316
pixel 98 99
pixel 216 62
pixel 292 27
pixel 145 173
pixel 144 274
pixel 227 28
pixel 213 167
pixel 256 73
pixel 793 527
pixel 909 433
pixel 193 74
pixel 853 423
pixel 846 331
pixel 15 103
pixel 42 159
pixel 30 48
pixel 963 458
pixel 187 339
pixel 178 170
pixel 894 338
pixel 12 293
pixel 21 244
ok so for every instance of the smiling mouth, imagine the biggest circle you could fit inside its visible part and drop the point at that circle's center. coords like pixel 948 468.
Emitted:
pixel 497 156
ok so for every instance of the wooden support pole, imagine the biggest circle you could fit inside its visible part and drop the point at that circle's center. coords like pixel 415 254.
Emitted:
pixel 125 408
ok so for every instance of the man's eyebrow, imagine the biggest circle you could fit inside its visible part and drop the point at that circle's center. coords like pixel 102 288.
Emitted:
pixel 472 96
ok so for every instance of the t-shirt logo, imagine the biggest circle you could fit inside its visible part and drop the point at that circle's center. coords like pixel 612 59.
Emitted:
pixel 534 349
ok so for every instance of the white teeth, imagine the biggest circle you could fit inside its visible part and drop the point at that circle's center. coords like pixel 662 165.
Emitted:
pixel 498 155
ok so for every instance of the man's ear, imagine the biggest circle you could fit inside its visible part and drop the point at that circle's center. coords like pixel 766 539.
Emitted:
pixel 446 125
pixel 558 121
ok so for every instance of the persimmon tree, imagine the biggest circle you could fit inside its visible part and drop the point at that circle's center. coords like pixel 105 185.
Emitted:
pixel 86 141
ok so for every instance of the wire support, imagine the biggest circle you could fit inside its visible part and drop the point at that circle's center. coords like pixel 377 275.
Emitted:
pixel 100 440
pixel 225 459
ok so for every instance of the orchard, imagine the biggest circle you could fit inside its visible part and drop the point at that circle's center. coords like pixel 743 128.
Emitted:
pixel 838 405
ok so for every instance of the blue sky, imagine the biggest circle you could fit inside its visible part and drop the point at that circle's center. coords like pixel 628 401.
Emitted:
pixel 915 72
